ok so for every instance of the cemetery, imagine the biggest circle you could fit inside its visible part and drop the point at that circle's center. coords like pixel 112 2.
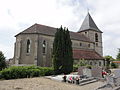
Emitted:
pixel 111 81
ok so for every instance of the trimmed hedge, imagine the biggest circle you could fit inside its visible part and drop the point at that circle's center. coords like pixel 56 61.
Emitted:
pixel 15 72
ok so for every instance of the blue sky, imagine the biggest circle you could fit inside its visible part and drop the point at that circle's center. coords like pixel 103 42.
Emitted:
pixel 17 15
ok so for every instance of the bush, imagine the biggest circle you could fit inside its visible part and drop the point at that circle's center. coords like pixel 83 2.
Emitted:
pixel 89 66
pixel 47 71
pixel 75 68
pixel 82 62
pixel 113 65
pixel 25 72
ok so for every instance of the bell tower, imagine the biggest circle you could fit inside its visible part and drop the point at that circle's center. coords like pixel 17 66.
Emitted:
pixel 90 30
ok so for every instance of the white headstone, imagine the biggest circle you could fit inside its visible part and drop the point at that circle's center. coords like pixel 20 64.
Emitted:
pixel 117 77
pixel 117 73
pixel 87 72
pixel 97 72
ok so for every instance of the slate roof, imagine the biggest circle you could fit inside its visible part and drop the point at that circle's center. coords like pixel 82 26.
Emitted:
pixel 50 31
pixel 87 55
pixel 88 23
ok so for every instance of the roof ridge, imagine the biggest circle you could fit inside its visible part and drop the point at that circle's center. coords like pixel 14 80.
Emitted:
pixel 47 30
pixel 45 25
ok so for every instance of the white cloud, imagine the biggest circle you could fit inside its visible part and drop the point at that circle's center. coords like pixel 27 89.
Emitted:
pixel 7 50
pixel 16 15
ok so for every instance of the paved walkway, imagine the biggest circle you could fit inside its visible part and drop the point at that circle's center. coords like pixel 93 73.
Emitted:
pixel 59 77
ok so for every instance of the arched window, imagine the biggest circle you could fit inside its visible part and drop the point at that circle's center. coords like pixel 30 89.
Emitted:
pixel 44 47
pixel 90 63
pixel 99 63
pixel 89 45
pixel 97 44
pixel 96 37
pixel 28 46
pixel 80 44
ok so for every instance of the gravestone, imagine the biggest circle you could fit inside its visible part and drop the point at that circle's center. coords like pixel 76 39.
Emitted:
pixel 84 71
pixel 117 77
pixel 87 72
pixel 80 70
pixel 110 80
pixel 93 72
pixel 117 73
pixel 96 72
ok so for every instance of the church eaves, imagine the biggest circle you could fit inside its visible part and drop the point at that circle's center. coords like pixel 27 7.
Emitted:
pixel 89 24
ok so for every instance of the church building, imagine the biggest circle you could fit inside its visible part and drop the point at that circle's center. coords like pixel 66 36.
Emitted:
pixel 34 45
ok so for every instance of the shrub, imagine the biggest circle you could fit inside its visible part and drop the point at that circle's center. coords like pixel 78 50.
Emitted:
pixel 47 71
pixel 25 71
pixel 89 66
pixel 114 65
pixel 82 62
pixel 75 68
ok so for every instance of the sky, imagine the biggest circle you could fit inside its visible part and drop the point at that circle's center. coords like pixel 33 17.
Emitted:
pixel 17 15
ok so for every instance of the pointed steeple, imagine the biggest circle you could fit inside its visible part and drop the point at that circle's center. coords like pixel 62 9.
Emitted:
pixel 88 23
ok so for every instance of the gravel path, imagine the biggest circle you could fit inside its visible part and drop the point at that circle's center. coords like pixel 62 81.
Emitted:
pixel 42 83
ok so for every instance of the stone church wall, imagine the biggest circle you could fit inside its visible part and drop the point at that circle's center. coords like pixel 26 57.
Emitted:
pixel 45 59
pixel 82 45
pixel 36 55
pixel 24 57
pixel 92 62
pixel 97 45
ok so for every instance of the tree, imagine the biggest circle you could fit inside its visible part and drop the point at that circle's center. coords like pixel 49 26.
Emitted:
pixel 82 62
pixel 2 61
pixel 109 57
pixel 68 54
pixel 57 52
pixel 118 55
pixel 108 60
pixel 114 65
pixel 62 52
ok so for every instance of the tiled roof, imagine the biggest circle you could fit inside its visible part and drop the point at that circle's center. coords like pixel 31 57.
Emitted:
pixel 47 30
pixel 116 61
pixel 89 24
pixel 86 54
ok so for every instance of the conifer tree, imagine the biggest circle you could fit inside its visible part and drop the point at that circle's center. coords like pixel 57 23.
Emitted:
pixel 2 61
pixel 62 52
pixel 57 51
pixel 68 58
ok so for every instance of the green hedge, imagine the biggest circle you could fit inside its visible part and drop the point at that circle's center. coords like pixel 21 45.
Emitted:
pixel 15 72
